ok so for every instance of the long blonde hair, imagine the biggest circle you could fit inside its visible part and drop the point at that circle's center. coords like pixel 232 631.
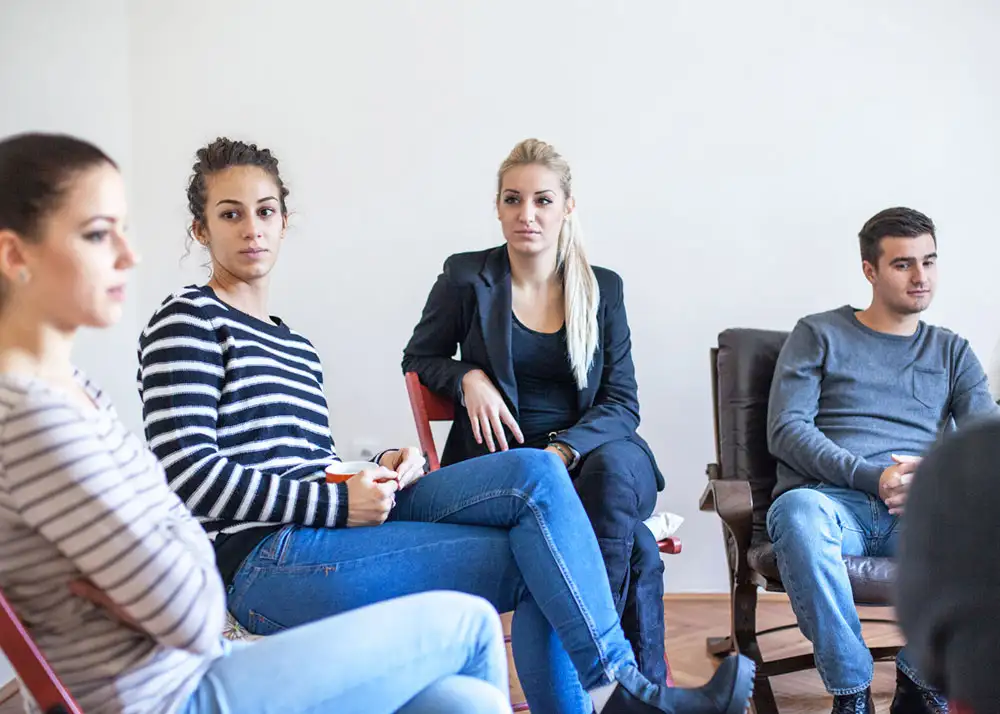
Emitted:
pixel 580 290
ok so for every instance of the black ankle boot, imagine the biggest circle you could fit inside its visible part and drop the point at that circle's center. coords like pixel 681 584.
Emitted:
pixel 859 703
pixel 911 698
pixel 727 692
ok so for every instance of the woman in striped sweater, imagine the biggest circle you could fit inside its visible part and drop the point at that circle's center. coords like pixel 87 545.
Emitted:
pixel 233 405
pixel 114 579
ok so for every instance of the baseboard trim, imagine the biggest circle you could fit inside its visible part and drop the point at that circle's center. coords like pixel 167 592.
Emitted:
pixel 761 596
pixel 8 690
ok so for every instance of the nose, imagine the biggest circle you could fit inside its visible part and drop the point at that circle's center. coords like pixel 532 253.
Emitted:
pixel 252 229
pixel 127 256
pixel 919 275
pixel 527 214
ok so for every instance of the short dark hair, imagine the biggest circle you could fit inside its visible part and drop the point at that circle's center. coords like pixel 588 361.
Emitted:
pixel 896 222
pixel 35 172
pixel 224 153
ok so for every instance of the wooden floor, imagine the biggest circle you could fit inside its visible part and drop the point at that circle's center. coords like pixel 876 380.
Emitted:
pixel 691 619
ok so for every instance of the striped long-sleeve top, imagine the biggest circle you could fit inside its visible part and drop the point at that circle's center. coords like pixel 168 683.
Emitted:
pixel 82 497
pixel 234 408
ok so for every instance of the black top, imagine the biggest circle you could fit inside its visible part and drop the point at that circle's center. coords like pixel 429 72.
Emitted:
pixel 546 390
pixel 470 308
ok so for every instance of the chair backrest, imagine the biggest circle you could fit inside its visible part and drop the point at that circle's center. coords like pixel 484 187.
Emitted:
pixel 427 407
pixel 30 665
pixel 742 369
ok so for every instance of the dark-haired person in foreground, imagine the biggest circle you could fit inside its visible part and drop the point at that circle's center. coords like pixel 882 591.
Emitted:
pixel 858 396
pixel 949 568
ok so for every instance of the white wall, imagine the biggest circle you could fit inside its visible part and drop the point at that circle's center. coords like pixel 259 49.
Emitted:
pixel 64 67
pixel 725 156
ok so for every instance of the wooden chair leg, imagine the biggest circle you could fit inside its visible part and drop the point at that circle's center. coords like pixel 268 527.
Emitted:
pixel 763 697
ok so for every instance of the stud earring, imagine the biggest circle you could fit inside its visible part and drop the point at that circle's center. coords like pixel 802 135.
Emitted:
pixel 23 275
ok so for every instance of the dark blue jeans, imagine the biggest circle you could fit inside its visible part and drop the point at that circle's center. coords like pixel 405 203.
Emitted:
pixel 508 527
pixel 617 487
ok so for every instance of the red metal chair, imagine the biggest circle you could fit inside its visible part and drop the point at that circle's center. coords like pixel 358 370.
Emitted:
pixel 427 407
pixel 30 665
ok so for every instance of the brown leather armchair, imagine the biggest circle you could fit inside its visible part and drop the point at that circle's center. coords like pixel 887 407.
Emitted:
pixel 739 490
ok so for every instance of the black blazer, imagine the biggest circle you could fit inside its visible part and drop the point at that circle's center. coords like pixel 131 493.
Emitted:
pixel 470 306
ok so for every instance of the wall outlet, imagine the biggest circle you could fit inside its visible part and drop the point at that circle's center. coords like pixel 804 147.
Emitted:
pixel 363 449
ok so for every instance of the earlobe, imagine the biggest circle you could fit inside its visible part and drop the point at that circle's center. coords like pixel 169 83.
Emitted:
pixel 12 263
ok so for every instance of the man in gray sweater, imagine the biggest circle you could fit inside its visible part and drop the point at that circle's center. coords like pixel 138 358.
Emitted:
pixel 858 396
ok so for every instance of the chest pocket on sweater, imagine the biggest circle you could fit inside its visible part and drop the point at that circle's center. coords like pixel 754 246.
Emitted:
pixel 930 387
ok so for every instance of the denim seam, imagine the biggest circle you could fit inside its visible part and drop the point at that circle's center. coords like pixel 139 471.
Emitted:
pixel 570 584
pixel 271 566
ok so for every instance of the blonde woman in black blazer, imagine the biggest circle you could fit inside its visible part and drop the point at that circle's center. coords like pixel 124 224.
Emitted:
pixel 545 361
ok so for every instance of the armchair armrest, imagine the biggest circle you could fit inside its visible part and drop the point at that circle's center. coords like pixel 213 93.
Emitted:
pixel 732 500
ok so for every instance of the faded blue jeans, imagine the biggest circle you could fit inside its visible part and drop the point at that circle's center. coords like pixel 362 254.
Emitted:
pixel 812 528
pixel 435 653
pixel 508 527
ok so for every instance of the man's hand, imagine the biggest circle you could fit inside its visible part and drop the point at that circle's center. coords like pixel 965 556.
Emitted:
pixel 85 589
pixel 408 463
pixel 894 484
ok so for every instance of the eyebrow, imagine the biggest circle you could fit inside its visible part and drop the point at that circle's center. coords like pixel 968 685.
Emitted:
pixel 234 202
pixel 910 257
pixel 109 219
pixel 537 193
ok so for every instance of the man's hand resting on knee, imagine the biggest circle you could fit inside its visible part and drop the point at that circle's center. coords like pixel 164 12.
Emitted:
pixel 894 483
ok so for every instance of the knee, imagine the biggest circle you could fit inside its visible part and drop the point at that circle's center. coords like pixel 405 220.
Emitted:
pixel 618 474
pixel 799 515
pixel 537 470
pixel 478 611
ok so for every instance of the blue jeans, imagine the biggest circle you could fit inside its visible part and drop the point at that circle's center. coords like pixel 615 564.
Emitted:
pixel 436 653
pixel 508 527
pixel 812 528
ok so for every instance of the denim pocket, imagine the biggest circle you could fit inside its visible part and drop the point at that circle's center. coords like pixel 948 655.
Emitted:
pixel 930 387
pixel 260 625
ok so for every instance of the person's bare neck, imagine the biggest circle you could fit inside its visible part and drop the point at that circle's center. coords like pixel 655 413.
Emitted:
pixel 31 348
pixel 249 297
pixel 534 273
pixel 877 317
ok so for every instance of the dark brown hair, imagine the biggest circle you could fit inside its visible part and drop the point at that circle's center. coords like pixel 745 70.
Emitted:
pixel 896 222
pixel 35 172
pixel 221 154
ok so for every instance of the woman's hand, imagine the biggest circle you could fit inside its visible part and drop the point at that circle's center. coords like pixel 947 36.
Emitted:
pixel 371 494
pixel 487 411
pixel 560 453
pixel 408 463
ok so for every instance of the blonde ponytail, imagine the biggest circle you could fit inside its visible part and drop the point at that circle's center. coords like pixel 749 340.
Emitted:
pixel 581 295
pixel 580 290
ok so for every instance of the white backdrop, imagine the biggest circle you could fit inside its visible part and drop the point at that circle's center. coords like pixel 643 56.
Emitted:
pixel 725 156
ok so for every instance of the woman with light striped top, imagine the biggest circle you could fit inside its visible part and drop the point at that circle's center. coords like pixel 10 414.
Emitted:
pixel 233 405
pixel 114 579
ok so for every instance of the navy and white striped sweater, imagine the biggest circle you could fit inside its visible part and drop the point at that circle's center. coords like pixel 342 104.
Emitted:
pixel 234 409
